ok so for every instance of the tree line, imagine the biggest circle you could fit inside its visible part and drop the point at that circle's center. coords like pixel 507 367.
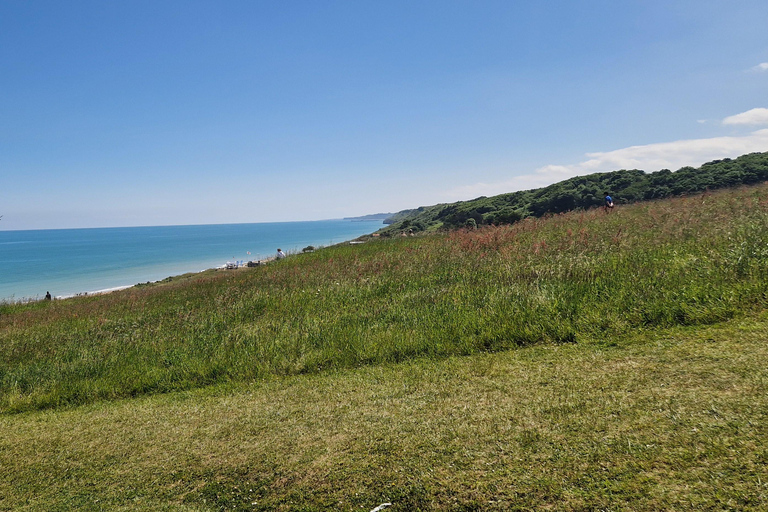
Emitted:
pixel 583 192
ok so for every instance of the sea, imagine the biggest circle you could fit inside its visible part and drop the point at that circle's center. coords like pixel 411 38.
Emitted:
pixel 67 262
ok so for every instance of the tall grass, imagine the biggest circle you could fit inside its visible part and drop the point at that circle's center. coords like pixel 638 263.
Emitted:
pixel 567 278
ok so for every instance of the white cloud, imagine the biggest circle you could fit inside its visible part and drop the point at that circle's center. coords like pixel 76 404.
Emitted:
pixel 754 116
pixel 651 157
pixel 763 66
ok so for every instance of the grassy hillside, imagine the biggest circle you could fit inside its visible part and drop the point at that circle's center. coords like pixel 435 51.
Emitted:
pixel 586 361
pixel 690 261
pixel 583 192
pixel 663 419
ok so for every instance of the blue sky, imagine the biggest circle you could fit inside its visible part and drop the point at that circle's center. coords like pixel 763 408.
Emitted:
pixel 196 112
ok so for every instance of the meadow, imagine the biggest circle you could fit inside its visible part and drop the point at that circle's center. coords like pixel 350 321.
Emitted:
pixel 583 361
pixel 562 279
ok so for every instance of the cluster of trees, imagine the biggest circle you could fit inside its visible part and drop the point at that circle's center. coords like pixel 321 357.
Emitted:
pixel 583 192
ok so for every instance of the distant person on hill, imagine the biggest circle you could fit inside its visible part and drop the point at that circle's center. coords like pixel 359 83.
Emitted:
pixel 608 203
pixel 47 295
pixel 280 254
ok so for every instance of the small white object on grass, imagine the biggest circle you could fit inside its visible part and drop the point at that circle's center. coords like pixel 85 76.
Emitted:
pixel 381 507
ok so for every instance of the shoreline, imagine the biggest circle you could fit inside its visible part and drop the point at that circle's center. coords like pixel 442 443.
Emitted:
pixel 105 291
pixel 69 264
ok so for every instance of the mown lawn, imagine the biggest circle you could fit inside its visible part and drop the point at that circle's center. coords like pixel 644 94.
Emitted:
pixel 664 419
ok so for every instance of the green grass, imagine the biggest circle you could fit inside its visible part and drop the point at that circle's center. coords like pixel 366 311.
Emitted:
pixel 580 362
pixel 665 419
pixel 691 261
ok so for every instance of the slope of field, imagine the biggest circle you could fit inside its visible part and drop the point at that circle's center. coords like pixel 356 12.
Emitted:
pixel 562 279
pixel 666 419
pixel 585 361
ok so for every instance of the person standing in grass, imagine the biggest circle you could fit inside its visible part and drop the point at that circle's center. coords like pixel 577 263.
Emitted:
pixel 608 203
pixel 280 254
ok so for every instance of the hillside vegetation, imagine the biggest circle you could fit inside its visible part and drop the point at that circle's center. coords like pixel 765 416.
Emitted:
pixel 583 192
pixel 584 361
pixel 563 279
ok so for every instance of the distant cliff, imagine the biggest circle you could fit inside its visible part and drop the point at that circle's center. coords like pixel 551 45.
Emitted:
pixel 373 216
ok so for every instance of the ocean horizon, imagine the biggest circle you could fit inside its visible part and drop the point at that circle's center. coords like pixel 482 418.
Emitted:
pixel 67 262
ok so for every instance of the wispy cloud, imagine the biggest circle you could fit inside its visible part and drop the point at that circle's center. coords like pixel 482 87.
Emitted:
pixel 650 157
pixel 763 66
pixel 754 116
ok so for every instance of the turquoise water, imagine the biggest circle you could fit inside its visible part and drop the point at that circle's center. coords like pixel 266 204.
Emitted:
pixel 70 261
